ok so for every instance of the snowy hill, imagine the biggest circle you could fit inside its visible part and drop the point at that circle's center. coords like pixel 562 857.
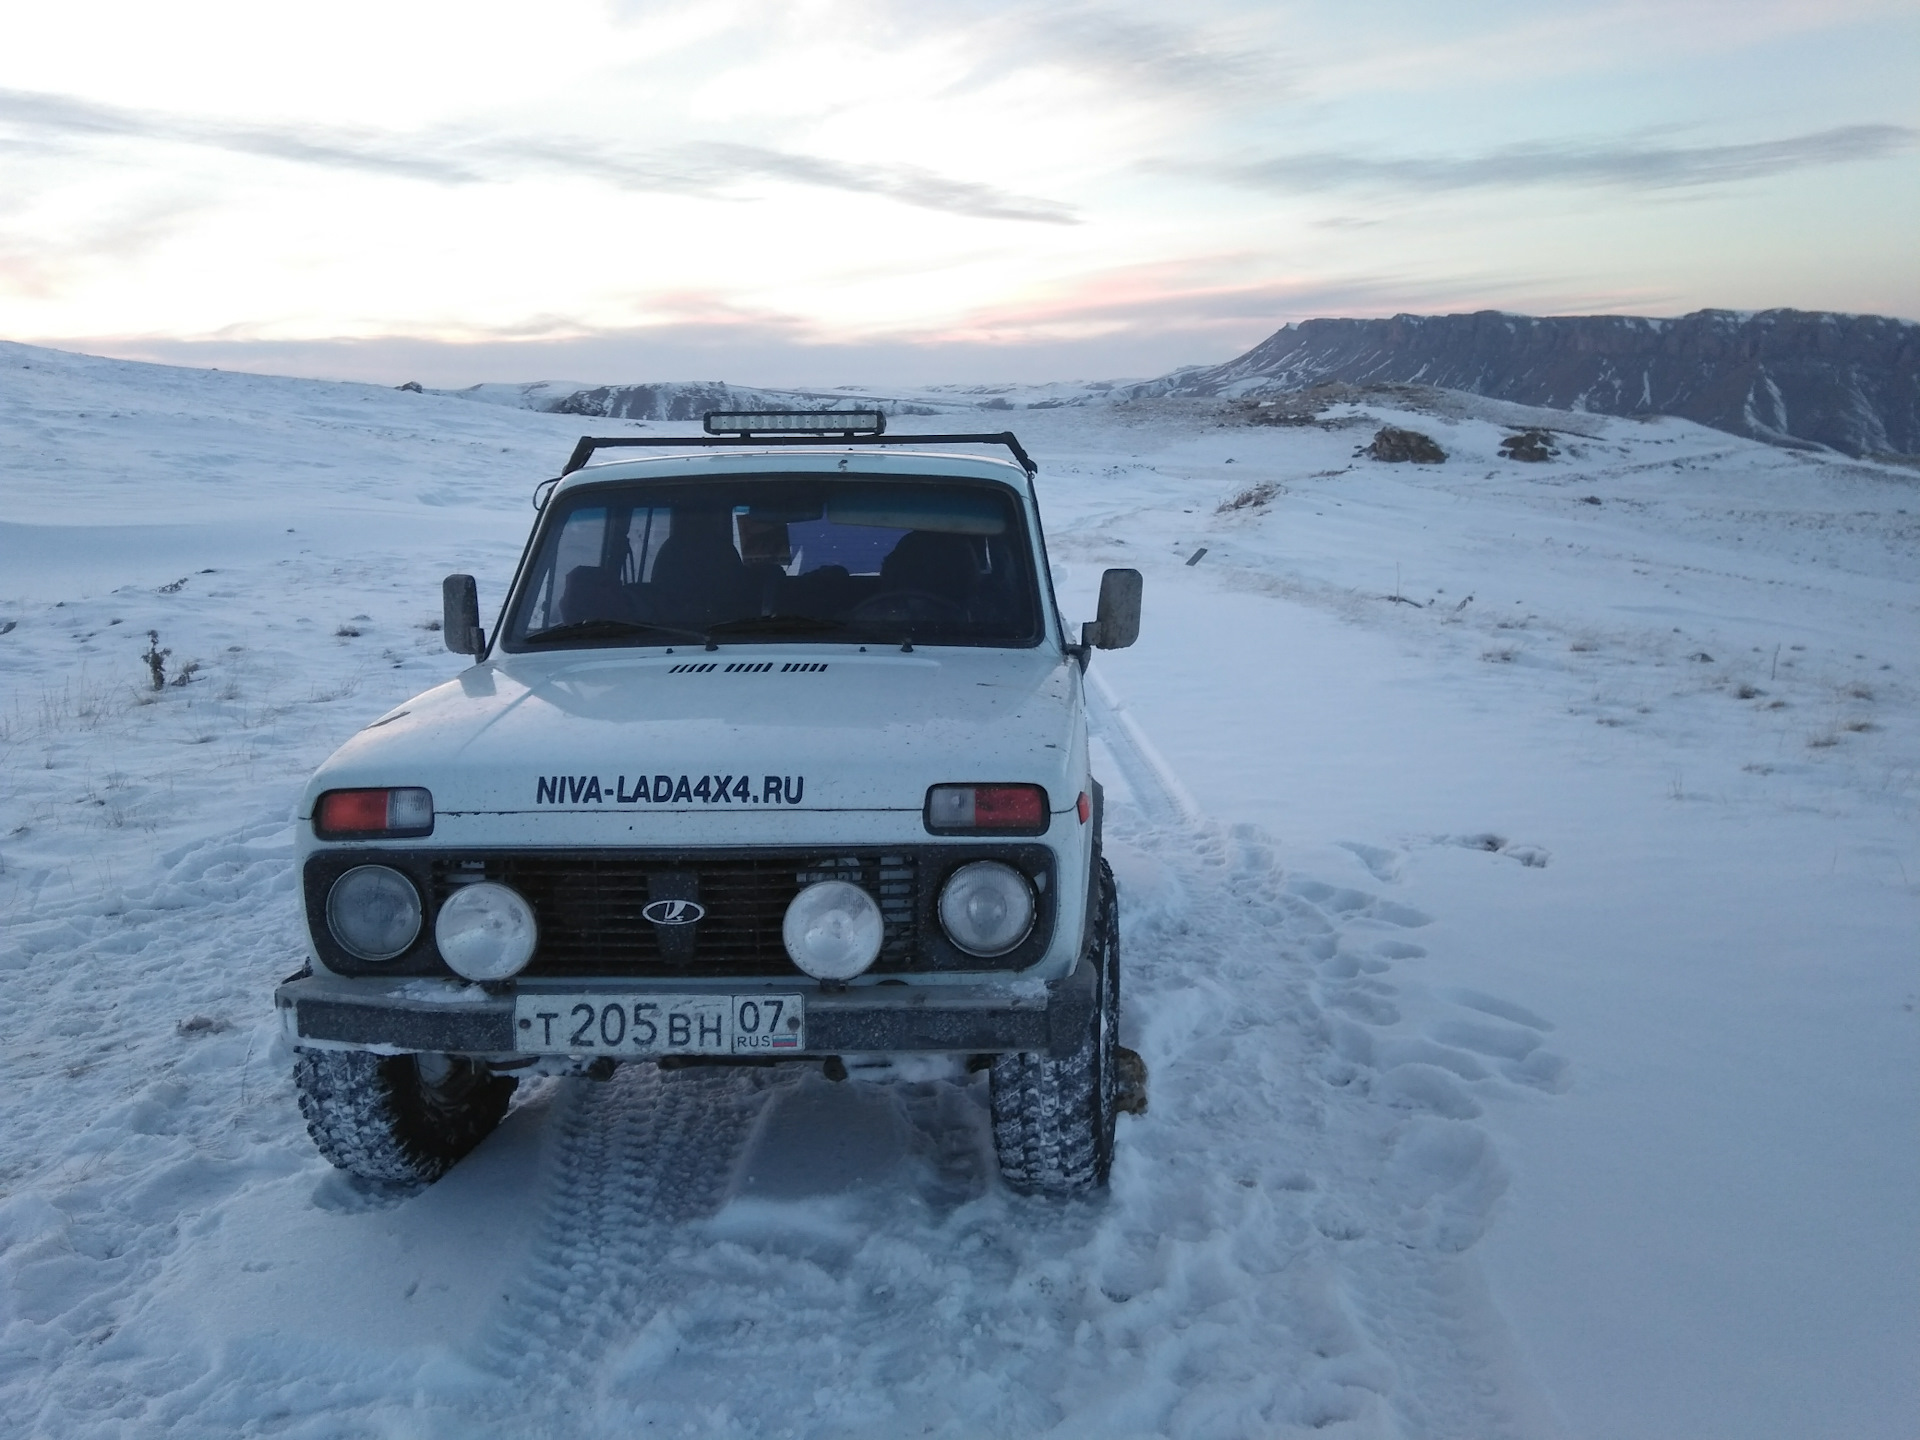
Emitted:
pixel 1851 382
pixel 680 400
pixel 1789 377
pixel 677 399
pixel 1520 865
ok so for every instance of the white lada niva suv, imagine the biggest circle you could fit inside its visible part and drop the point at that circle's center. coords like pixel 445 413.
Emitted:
pixel 778 754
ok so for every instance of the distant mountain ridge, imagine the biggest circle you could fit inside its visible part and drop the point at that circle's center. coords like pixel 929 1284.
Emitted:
pixel 677 399
pixel 1851 382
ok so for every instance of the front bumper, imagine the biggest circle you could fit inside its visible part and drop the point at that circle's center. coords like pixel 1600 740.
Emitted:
pixel 1050 1017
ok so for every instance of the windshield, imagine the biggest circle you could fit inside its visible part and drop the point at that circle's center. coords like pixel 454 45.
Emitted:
pixel 791 558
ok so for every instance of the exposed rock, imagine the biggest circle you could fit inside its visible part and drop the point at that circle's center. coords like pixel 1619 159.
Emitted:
pixel 1255 497
pixel 1393 443
pixel 1533 445
pixel 1793 377
pixel 1302 407
pixel 682 400
pixel 690 399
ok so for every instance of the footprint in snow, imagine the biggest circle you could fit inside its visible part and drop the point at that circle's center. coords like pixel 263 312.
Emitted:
pixel 1368 1008
pixel 1515 1045
pixel 1416 1050
pixel 1446 1177
pixel 1330 898
pixel 1534 857
pixel 1383 865
pixel 1492 1005
pixel 1341 904
pixel 1391 912
pixel 1503 1042
pixel 1428 1088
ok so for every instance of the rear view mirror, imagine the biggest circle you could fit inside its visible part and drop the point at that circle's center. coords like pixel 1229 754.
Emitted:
pixel 460 627
pixel 1117 624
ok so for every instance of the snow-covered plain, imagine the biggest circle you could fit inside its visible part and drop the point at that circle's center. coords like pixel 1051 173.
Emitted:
pixel 1528 980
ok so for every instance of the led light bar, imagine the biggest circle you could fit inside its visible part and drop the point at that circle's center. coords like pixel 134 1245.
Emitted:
pixel 986 810
pixel 796 422
pixel 373 814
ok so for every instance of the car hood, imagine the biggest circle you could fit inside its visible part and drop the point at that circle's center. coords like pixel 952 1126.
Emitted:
pixel 743 729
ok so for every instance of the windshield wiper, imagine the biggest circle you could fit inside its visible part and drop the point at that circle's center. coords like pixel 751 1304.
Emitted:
pixel 781 624
pixel 609 630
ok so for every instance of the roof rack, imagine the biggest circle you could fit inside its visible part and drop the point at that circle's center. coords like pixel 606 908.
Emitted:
pixel 590 443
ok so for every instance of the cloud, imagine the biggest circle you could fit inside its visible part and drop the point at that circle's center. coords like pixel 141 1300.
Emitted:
pixel 1134 58
pixel 1644 166
pixel 39 266
pixel 1139 53
pixel 62 115
pixel 779 352
pixel 1194 297
pixel 1128 324
pixel 707 168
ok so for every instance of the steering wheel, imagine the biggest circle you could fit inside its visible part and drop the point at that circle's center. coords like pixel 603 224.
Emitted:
pixel 906 606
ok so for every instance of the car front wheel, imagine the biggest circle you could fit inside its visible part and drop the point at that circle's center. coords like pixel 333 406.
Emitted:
pixel 1053 1119
pixel 397 1117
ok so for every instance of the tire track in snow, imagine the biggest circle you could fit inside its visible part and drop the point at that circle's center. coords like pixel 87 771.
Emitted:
pixel 146 1092
pixel 1289 1193
pixel 1398 1320
pixel 1282 1251
pixel 1157 790
pixel 635 1161
pixel 632 1161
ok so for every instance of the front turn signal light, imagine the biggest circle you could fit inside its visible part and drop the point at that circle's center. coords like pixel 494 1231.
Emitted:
pixel 986 810
pixel 373 814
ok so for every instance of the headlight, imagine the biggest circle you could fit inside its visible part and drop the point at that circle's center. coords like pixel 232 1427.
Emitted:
pixel 486 931
pixel 374 912
pixel 986 908
pixel 833 930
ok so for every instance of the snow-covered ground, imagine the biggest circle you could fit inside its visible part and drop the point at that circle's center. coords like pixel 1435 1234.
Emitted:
pixel 1528 980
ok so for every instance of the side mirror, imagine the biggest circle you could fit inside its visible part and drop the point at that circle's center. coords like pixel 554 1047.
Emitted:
pixel 460 625
pixel 1118 622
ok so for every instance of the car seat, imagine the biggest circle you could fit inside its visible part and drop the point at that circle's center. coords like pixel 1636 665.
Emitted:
pixel 698 578
pixel 593 593
pixel 931 562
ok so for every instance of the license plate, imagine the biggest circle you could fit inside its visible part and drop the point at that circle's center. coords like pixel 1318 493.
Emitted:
pixel 604 1024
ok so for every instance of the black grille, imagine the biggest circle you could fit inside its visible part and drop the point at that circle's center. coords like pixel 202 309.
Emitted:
pixel 589 908
pixel 590 905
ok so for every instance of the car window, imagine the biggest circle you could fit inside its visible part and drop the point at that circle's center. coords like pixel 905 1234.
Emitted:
pixel 580 540
pixel 791 558
pixel 859 549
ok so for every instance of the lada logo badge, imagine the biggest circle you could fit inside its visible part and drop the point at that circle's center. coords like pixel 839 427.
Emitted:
pixel 674 912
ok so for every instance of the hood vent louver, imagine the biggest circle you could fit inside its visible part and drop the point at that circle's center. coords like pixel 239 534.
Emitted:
pixel 748 667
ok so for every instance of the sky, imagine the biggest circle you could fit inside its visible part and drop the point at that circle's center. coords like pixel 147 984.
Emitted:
pixel 893 191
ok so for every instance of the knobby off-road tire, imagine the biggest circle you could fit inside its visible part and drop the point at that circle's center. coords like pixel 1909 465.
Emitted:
pixel 397 1117
pixel 1053 1119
